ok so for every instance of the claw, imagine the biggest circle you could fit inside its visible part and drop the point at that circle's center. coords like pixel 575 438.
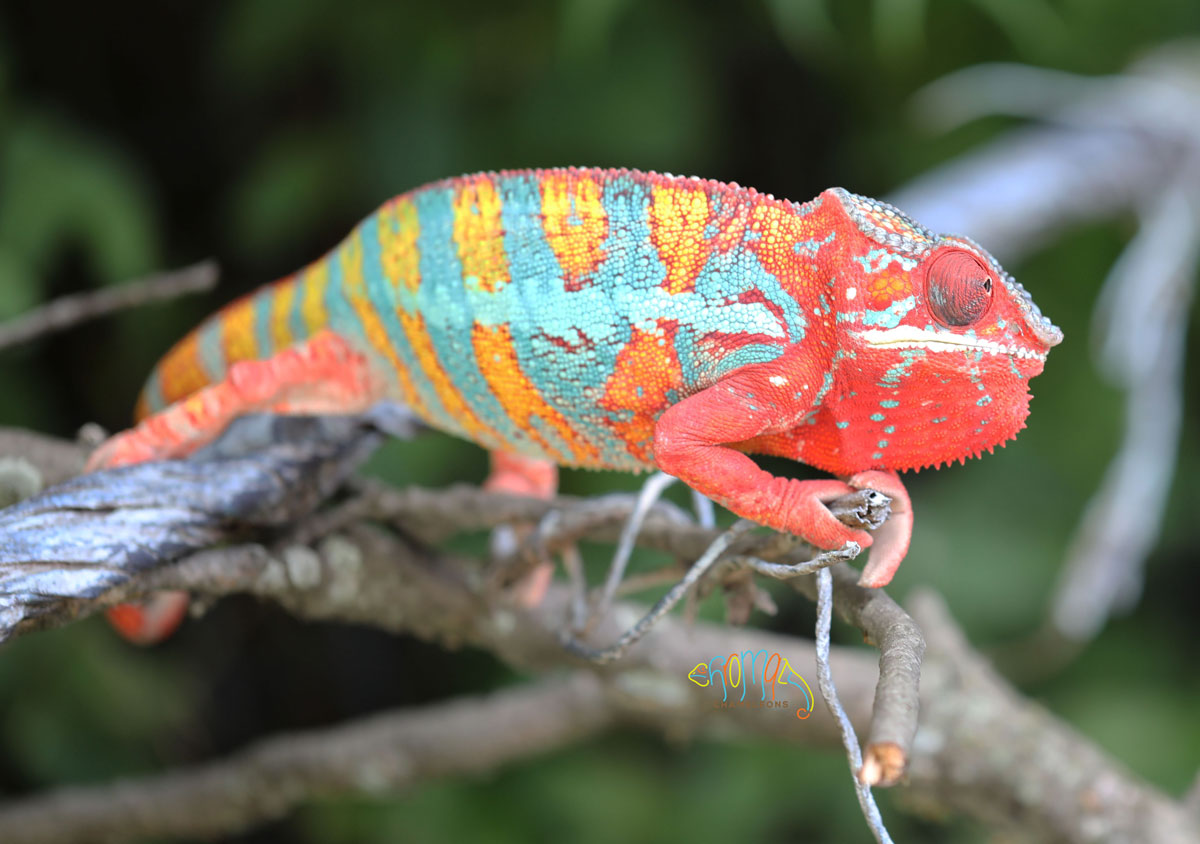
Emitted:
pixel 891 540
pixel 149 621
pixel 812 520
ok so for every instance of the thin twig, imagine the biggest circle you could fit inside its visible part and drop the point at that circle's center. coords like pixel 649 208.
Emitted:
pixel 384 753
pixel 572 562
pixel 829 693
pixel 785 571
pixel 638 582
pixel 1142 323
pixel 897 695
pixel 80 307
pixel 649 494
pixel 665 604
pixel 705 511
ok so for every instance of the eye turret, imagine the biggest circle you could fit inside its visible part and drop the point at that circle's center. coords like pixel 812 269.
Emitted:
pixel 958 288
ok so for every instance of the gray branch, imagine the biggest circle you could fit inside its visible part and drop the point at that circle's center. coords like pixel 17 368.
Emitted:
pixel 70 311
pixel 901 648
pixel 981 748
pixel 382 754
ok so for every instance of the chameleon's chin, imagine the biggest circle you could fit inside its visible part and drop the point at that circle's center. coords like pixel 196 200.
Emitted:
pixel 968 433
pixel 923 408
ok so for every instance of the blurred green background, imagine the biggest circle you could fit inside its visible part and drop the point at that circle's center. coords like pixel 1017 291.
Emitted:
pixel 144 135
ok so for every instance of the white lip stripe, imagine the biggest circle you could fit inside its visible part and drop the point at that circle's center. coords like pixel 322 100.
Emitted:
pixel 907 336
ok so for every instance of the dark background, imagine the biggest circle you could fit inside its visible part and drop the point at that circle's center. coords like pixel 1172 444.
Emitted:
pixel 139 136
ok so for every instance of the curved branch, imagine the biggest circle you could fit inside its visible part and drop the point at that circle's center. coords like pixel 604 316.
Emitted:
pixel 984 750
pixel 901 648
pixel 386 753
pixel 69 311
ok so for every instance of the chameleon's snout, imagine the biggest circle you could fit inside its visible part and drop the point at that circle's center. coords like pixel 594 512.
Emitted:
pixel 1046 331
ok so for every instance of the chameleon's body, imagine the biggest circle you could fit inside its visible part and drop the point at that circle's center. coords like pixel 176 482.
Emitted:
pixel 623 320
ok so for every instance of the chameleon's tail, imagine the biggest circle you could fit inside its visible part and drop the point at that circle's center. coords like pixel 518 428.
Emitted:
pixel 254 327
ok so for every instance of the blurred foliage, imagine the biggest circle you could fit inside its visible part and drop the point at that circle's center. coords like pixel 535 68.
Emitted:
pixel 146 135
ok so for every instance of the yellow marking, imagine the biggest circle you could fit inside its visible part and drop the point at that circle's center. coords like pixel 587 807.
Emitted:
pixel 238 340
pixel 313 280
pixel 283 297
pixel 678 218
pixel 479 233
pixel 355 285
pixel 519 398
pixel 399 228
pixel 576 225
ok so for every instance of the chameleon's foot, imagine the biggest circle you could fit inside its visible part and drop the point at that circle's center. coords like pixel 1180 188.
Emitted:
pixel 520 475
pixel 890 541
pixel 151 620
pixel 809 517
pixel 321 375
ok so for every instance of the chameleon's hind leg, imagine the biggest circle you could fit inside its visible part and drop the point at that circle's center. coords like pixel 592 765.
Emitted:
pixel 320 375
pixel 536 478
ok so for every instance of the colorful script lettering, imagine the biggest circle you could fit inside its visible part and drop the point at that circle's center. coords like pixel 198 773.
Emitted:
pixel 737 671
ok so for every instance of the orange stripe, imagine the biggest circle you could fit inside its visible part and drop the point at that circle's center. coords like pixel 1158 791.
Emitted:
pixel 518 396
pixel 355 285
pixel 576 225
pixel 182 371
pixel 646 369
pixel 399 228
pixel 479 233
pixel 447 393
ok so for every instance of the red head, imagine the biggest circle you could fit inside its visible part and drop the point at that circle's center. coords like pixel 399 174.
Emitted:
pixel 934 346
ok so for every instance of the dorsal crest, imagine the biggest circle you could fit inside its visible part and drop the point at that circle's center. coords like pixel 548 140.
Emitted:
pixel 886 224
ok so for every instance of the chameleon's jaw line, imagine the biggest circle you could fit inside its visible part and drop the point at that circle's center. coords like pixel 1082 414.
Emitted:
pixel 911 337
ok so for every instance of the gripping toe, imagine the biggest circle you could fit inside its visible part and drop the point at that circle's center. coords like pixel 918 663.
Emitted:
pixel 891 540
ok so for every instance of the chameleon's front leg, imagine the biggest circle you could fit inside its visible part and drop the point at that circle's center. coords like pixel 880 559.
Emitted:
pixel 692 442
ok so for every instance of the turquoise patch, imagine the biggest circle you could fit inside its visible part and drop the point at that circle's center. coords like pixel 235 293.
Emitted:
pixel 878 259
pixel 813 246
pixel 890 317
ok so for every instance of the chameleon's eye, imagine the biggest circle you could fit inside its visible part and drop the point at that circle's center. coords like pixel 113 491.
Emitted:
pixel 959 288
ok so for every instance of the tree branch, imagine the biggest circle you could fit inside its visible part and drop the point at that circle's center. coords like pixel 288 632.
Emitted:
pixel 901 648
pixel 69 311
pixel 982 750
pixel 383 754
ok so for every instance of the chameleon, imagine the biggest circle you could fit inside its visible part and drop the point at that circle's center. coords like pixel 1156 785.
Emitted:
pixel 626 320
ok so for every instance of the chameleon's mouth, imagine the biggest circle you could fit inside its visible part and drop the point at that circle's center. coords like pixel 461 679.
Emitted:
pixel 911 337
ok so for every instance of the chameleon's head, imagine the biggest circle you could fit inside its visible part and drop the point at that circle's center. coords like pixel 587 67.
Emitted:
pixel 937 341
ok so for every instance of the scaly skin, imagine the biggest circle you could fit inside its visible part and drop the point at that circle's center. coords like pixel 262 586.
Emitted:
pixel 613 319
